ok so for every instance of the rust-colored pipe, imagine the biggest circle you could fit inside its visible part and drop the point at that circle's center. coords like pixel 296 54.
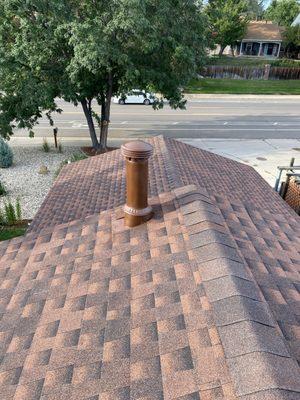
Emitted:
pixel 137 211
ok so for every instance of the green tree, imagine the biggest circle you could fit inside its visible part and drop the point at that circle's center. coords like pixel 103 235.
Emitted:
pixel 283 12
pixel 291 41
pixel 87 51
pixel 228 21
pixel 255 9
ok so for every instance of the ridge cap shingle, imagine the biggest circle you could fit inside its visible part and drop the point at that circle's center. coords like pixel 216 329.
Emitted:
pixel 170 164
pixel 244 321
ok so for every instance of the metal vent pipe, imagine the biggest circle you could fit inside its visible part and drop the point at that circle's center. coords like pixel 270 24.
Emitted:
pixel 137 211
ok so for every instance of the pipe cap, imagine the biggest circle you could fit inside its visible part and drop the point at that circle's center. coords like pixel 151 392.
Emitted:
pixel 137 149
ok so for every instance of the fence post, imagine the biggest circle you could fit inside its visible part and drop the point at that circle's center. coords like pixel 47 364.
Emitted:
pixel 287 182
pixel 267 71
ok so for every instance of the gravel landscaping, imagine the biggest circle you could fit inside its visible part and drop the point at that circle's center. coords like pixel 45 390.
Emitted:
pixel 23 180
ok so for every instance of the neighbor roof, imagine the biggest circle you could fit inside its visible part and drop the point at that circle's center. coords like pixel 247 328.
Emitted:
pixel 202 302
pixel 263 30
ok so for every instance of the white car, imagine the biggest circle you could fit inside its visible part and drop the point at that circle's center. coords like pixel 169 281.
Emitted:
pixel 135 97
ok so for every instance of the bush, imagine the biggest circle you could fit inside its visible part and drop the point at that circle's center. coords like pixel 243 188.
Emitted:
pixel 285 62
pixel 18 210
pixel 6 154
pixel 2 189
pixel 60 147
pixel 45 146
pixel 12 214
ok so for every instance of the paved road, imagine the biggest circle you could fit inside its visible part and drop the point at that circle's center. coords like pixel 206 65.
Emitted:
pixel 204 118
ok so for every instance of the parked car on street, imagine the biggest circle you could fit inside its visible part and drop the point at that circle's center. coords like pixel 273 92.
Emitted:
pixel 135 97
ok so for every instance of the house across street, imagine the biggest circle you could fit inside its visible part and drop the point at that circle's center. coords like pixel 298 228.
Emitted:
pixel 263 39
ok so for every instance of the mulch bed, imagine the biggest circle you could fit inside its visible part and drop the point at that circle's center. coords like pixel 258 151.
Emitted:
pixel 90 151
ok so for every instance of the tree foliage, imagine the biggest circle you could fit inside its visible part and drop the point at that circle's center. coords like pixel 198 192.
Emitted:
pixel 228 21
pixel 255 9
pixel 283 12
pixel 87 51
pixel 291 42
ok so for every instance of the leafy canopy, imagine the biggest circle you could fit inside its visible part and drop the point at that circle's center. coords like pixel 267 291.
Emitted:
pixel 283 12
pixel 291 41
pixel 87 51
pixel 228 21
pixel 255 9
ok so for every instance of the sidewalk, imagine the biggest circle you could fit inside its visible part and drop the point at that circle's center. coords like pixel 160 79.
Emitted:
pixel 204 96
pixel 263 155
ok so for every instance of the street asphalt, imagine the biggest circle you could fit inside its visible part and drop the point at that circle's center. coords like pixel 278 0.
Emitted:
pixel 260 131
pixel 233 117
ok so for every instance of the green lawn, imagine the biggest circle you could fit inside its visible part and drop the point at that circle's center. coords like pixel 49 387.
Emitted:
pixel 236 86
pixel 11 232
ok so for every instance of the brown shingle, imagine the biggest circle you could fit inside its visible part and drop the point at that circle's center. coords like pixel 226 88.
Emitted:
pixel 263 30
pixel 202 302
pixel 97 184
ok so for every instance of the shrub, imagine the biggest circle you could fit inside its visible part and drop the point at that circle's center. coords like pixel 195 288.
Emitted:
pixel 285 62
pixel 60 147
pixel 12 214
pixel 2 218
pixel 18 210
pixel 2 189
pixel 45 146
pixel 6 154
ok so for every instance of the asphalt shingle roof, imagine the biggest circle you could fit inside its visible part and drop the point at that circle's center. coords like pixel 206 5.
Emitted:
pixel 263 30
pixel 97 184
pixel 202 302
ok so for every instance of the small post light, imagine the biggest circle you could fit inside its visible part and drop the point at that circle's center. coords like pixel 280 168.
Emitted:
pixel 55 131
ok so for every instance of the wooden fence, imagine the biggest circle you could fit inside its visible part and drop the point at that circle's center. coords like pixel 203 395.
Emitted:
pixel 243 72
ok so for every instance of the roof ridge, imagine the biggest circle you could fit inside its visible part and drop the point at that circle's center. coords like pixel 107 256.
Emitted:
pixel 243 318
pixel 170 165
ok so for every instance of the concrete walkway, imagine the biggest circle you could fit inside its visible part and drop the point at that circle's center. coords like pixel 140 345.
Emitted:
pixel 205 96
pixel 263 155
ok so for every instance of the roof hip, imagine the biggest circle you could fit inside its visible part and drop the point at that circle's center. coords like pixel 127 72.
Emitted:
pixel 258 359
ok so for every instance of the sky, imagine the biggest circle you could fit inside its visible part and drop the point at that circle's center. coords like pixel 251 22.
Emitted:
pixel 266 2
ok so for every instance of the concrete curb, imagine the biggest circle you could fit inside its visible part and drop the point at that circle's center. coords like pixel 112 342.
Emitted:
pixel 203 96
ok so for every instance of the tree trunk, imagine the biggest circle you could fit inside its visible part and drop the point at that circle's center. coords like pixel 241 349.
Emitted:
pixel 105 113
pixel 222 48
pixel 87 109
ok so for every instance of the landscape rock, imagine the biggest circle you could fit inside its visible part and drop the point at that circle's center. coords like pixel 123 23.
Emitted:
pixel 43 170
pixel 22 180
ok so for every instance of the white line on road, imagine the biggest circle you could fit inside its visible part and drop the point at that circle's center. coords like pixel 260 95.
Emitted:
pixel 187 114
pixel 185 123
pixel 185 129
